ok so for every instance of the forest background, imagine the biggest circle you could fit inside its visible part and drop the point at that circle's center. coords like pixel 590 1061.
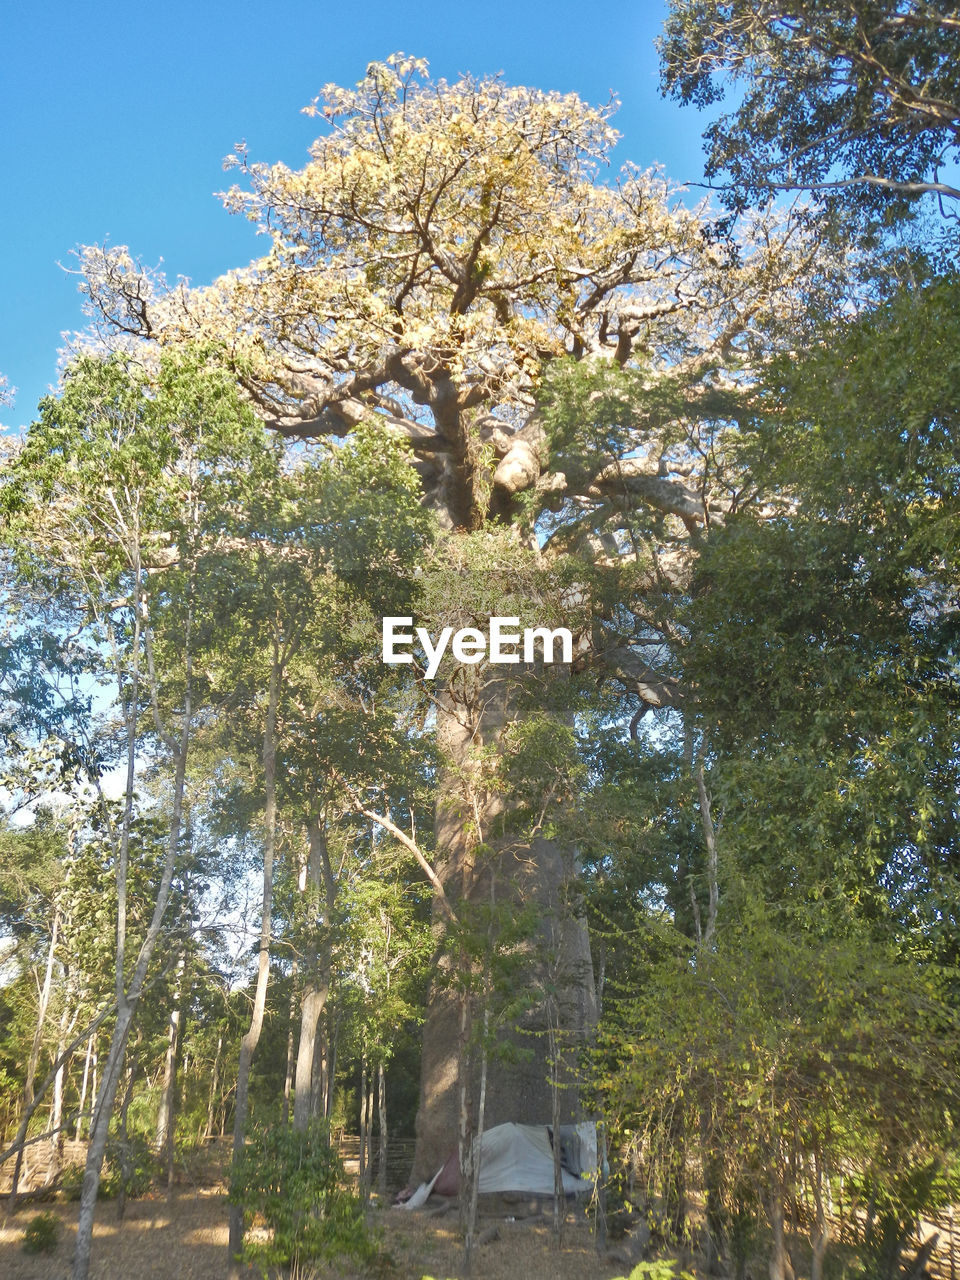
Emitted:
pixel 702 884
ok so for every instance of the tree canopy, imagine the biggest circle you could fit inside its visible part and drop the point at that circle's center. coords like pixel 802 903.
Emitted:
pixel 855 100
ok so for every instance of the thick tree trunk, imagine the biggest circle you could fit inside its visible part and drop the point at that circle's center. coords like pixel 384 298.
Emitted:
pixel 534 872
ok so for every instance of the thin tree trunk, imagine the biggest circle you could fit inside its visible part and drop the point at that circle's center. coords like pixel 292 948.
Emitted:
pixel 710 839
pixel 166 1108
pixel 318 1083
pixel 820 1235
pixel 20 1141
pixel 465 1151
pixel 34 1057
pixel 94 1086
pixel 383 1135
pixel 250 1040
pixel 83 1087
pixel 476 1145
pixel 214 1082
pixel 778 1252
pixel 601 1219
pixel 56 1111
pixel 316 980
pixel 559 1198
pixel 170 1146
pixel 333 1050
pixel 124 1144
pixel 288 1074
pixel 601 1187
pixel 128 997
pixel 364 1129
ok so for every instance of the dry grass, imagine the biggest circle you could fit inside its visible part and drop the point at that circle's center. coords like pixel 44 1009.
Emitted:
pixel 188 1240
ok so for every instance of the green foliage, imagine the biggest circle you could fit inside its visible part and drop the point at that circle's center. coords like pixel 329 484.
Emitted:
pixel 657 1269
pixel 71 1181
pixel 787 1057
pixel 837 757
pixel 293 1184
pixel 920 1189
pixel 41 1234
pixel 861 97
pixel 132 1167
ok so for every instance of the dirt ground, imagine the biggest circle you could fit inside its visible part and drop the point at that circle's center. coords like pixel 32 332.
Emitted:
pixel 188 1241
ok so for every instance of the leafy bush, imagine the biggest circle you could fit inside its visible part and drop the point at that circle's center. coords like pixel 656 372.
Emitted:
pixel 293 1184
pixel 71 1181
pixel 657 1269
pixel 42 1234
pixel 131 1166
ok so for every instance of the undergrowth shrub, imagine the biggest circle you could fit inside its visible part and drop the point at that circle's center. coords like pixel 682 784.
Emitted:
pixel 71 1181
pixel 131 1166
pixel 293 1185
pixel 41 1234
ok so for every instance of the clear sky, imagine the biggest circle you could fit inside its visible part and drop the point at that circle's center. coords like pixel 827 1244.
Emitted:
pixel 115 118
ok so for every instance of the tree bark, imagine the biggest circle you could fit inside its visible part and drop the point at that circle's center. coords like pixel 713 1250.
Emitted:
pixel 250 1040
pixel 366 1126
pixel 476 1142
pixel 778 1251
pixel 45 989
pixel 710 840
pixel 128 996
pixel 288 1074
pixel 535 872
pixel 124 1143
pixel 382 1133
pixel 83 1087
pixel 820 1232
pixel 56 1111
pixel 214 1083
pixel 166 1108
pixel 316 972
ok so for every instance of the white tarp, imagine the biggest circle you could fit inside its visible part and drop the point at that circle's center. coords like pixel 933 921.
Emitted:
pixel 519 1157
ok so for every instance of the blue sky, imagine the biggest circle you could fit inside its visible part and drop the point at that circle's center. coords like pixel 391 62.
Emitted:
pixel 115 118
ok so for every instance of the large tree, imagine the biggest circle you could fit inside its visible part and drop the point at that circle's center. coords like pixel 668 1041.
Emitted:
pixel 445 245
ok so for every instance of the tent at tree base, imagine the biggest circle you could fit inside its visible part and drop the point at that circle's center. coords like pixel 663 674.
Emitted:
pixel 519 1158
